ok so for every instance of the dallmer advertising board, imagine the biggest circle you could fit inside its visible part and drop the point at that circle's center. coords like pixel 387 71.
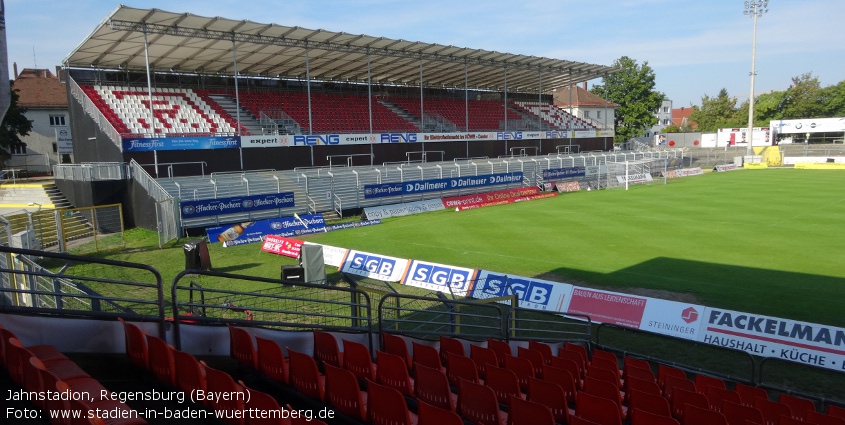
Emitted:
pixel 790 340
pixel 374 266
pixel 435 185
pixel 439 277
pixel 535 294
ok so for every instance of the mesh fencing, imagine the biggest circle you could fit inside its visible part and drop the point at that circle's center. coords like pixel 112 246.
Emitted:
pixel 91 229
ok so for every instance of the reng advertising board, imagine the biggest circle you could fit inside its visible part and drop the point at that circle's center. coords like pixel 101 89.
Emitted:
pixel 439 277
pixel 535 294
pixel 802 342
pixel 374 266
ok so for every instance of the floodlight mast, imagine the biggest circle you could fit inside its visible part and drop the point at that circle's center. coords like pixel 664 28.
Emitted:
pixel 754 9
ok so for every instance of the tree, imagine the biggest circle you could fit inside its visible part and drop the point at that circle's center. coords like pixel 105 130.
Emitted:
pixel 14 126
pixel 716 112
pixel 833 98
pixel 804 98
pixel 633 90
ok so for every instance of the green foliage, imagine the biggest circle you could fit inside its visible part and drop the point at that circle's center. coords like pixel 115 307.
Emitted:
pixel 805 98
pixel 14 126
pixel 714 113
pixel 633 90
pixel 833 97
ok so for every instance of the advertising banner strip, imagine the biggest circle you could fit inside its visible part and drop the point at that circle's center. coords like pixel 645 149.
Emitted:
pixel 266 141
pixel 508 201
pixel 535 294
pixel 608 307
pixel 256 231
pixel 726 167
pixel 635 178
pixel 439 277
pixel 282 246
pixel 686 172
pixel 483 198
pixel 435 185
pixel 407 208
pixel 671 318
pixel 568 187
pixel 180 143
pixel 332 255
pixel 236 204
pixel 791 340
pixel 564 173
pixel 374 266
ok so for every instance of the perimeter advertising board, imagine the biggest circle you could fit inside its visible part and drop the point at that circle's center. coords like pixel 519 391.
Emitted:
pixel 236 204
pixel 608 307
pixel 437 185
pixel 332 255
pixel 439 277
pixel 282 246
pixel 180 143
pixel 564 173
pixel 671 318
pixel 535 294
pixel 399 210
pixel 802 342
pixel 374 266
pixel 256 231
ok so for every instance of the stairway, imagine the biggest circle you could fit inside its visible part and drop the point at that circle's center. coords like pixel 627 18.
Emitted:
pixel 231 107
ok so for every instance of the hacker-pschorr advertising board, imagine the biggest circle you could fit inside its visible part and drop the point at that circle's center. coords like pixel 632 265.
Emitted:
pixel 790 340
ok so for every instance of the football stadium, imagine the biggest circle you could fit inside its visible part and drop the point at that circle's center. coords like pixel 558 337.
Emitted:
pixel 268 224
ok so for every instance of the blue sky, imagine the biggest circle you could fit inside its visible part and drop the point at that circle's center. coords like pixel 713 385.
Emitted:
pixel 696 47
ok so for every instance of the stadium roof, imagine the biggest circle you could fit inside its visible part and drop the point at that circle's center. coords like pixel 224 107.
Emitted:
pixel 183 42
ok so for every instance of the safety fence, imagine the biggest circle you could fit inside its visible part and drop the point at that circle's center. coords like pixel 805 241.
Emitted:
pixel 62 285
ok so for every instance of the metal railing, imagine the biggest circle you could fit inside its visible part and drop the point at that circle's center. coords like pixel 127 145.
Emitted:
pixel 276 304
pixel 91 171
pixel 39 283
pixel 91 108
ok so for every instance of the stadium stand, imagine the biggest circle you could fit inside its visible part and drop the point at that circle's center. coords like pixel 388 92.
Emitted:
pixel 176 112
pixel 554 116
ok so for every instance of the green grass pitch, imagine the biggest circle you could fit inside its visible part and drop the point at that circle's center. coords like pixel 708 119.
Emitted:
pixel 762 241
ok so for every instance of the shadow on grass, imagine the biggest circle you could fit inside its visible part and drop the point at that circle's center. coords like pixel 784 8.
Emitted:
pixel 797 296
pixel 235 268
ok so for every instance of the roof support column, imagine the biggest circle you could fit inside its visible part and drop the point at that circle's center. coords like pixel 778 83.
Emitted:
pixel 422 108
pixel 370 91
pixel 466 98
pixel 570 111
pixel 308 91
pixel 605 118
pixel 150 96
pixel 370 101
pixel 466 101
pixel 540 103
pixel 540 93
pixel 237 98
pixel 506 106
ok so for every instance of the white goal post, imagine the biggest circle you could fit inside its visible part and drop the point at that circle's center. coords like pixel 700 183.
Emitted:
pixel 639 171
